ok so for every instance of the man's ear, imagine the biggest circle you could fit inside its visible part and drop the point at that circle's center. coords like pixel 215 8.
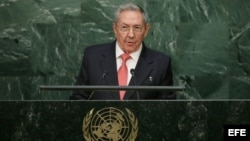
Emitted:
pixel 147 27
pixel 114 29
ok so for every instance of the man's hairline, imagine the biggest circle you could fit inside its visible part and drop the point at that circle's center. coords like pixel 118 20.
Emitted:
pixel 118 12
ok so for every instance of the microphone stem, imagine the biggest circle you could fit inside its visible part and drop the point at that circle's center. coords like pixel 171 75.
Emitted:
pixel 132 71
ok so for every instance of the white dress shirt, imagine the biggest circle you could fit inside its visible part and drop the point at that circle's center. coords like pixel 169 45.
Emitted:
pixel 131 62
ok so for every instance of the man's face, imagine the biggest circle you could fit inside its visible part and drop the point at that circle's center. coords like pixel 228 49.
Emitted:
pixel 130 30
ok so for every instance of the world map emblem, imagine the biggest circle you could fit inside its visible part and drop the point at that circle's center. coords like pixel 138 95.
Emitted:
pixel 110 124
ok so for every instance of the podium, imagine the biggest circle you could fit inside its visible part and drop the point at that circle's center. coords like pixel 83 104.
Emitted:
pixel 151 120
pixel 156 120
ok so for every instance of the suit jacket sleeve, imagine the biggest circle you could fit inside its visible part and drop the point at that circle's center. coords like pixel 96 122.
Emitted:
pixel 167 81
pixel 81 80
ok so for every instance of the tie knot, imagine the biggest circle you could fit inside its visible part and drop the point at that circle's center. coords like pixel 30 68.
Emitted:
pixel 125 57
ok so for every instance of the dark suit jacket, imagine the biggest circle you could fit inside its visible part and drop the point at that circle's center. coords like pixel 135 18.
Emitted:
pixel 153 69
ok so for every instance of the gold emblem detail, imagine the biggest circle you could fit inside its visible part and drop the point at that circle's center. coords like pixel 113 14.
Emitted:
pixel 110 124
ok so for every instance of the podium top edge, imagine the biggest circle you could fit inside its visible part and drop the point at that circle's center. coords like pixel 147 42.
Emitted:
pixel 109 87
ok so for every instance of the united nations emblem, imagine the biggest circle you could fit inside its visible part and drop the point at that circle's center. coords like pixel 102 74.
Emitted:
pixel 110 124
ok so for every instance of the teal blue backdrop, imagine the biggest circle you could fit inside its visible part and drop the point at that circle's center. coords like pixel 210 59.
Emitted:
pixel 41 43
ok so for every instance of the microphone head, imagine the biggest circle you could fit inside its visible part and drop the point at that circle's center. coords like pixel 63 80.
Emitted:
pixel 104 75
pixel 132 71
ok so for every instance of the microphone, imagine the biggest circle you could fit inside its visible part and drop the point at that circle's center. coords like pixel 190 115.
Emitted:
pixel 132 71
pixel 98 83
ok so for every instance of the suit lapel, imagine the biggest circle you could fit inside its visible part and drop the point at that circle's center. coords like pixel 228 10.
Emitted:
pixel 142 70
pixel 108 62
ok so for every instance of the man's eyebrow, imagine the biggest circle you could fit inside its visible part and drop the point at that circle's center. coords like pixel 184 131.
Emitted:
pixel 133 25
pixel 124 24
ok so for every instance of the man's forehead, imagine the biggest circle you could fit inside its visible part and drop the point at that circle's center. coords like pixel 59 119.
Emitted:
pixel 127 17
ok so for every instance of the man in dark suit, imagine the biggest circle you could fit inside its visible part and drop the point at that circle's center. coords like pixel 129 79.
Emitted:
pixel 102 64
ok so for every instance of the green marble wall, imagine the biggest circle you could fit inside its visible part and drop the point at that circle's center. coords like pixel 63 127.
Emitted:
pixel 41 43
pixel 157 121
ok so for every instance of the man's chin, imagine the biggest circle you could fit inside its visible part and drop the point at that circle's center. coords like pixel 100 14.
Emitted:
pixel 130 49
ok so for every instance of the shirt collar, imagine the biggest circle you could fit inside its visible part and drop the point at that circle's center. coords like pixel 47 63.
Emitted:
pixel 134 55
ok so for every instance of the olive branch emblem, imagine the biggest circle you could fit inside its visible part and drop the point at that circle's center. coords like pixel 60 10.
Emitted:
pixel 85 125
pixel 134 124
pixel 132 120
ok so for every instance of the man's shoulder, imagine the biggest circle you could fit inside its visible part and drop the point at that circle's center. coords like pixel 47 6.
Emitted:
pixel 157 54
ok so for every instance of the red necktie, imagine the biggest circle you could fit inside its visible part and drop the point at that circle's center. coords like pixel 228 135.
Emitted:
pixel 123 74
